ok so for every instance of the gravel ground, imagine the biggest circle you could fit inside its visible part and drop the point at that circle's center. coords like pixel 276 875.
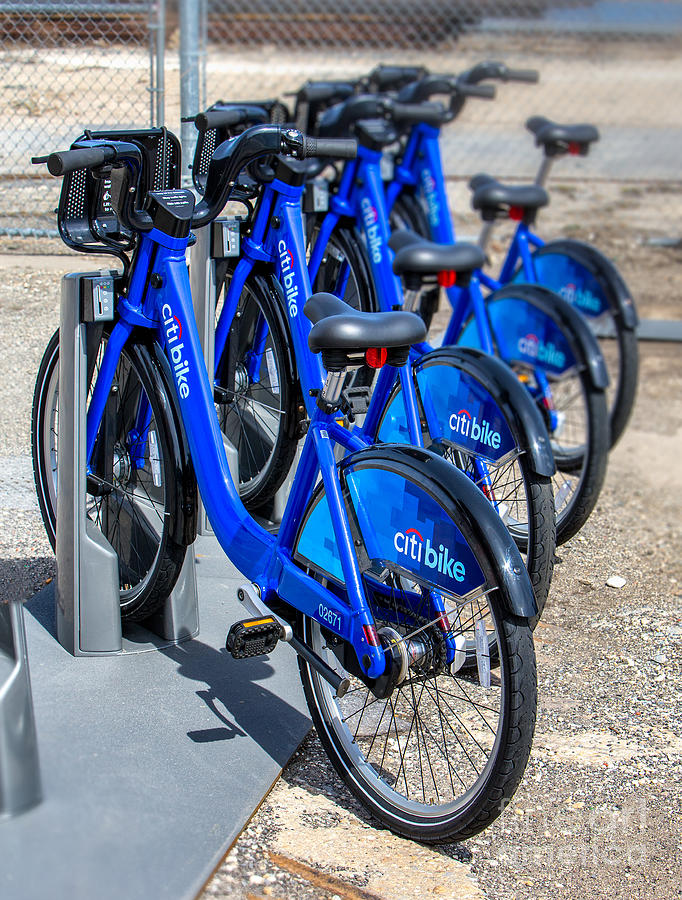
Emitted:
pixel 598 811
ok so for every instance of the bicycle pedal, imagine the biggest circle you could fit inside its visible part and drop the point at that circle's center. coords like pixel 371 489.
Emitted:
pixel 253 637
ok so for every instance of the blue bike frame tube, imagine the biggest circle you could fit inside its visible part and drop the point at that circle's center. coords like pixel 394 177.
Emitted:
pixel 338 207
pixel 285 246
pixel 119 335
pixel 367 201
pixel 519 249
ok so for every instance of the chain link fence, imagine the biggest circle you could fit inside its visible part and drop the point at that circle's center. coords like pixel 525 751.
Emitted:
pixel 65 64
pixel 616 64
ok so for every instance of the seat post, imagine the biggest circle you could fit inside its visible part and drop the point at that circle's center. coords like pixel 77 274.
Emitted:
pixel 333 387
pixel 544 170
pixel 485 233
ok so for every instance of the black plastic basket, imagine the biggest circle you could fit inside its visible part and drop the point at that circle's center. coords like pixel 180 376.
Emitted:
pixel 211 138
pixel 86 215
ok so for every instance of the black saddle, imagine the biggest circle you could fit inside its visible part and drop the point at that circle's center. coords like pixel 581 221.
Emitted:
pixel 339 327
pixel 496 200
pixel 416 256
pixel 558 140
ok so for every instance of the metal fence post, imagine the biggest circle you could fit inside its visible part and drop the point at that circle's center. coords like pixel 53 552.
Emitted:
pixel 189 79
pixel 157 61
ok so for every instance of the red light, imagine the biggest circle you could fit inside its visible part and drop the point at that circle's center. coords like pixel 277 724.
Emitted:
pixel 376 357
pixel 516 213
pixel 574 148
pixel 446 279
pixel 371 635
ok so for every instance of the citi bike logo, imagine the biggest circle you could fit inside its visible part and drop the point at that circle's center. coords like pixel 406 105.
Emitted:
pixel 429 188
pixel 369 218
pixel 412 545
pixel 286 262
pixel 580 297
pixel 532 346
pixel 173 330
pixel 466 425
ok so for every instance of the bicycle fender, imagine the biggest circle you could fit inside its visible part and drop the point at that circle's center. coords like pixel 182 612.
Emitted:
pixel 560 317
pixel 184 498
pixel 400 496
pixel 527 425
pixel 603 271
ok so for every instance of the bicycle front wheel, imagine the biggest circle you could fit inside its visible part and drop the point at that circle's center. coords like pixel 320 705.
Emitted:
pixel 257 391
pixel 132 474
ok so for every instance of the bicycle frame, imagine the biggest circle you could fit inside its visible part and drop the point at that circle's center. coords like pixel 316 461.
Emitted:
pixel 361 195
pixel 263 558
pixel 421 167
pixel 283 247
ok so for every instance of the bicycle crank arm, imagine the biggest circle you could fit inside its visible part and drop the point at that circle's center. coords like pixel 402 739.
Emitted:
pixel 252 602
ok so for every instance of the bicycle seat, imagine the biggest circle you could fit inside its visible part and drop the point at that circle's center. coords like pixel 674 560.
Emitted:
pixel 496 200
pixel 337 326
pixel 417 256
pixel 558 139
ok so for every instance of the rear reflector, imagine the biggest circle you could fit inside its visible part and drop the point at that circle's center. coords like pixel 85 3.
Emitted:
pixel 376 357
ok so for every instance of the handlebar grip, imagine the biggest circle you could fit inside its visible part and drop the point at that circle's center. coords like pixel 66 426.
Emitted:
pixel 215 118
pixel 530 76
pixel 485 91
pixel 429 113
pixel 334 148
pixel 65 161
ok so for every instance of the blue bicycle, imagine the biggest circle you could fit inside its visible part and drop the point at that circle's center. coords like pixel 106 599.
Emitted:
pixel 416 197
pixel 466 405
pixel 536 332
pixel 393 578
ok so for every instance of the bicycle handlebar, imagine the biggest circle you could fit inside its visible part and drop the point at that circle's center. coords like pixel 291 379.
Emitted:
pixel 336 148
pixel 499 71
pixel 530 76
pixel 64 161
pixel 391 78
pixel 412 113
pixel 225 116
pixel 226 163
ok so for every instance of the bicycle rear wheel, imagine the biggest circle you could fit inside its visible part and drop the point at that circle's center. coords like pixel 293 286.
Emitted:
pixel 591 284
pixel 437 759
pixel 535 337
pixel 128 495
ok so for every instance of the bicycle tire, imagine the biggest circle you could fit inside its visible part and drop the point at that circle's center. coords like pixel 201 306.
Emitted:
pixel 257 412
pixel 402 756
pixel 359 289
pixel 149 558
pixel 408 212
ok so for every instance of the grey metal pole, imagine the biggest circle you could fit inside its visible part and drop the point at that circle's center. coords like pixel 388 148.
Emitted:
pixel 157 49
pixel 189 79
pixel 161 63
